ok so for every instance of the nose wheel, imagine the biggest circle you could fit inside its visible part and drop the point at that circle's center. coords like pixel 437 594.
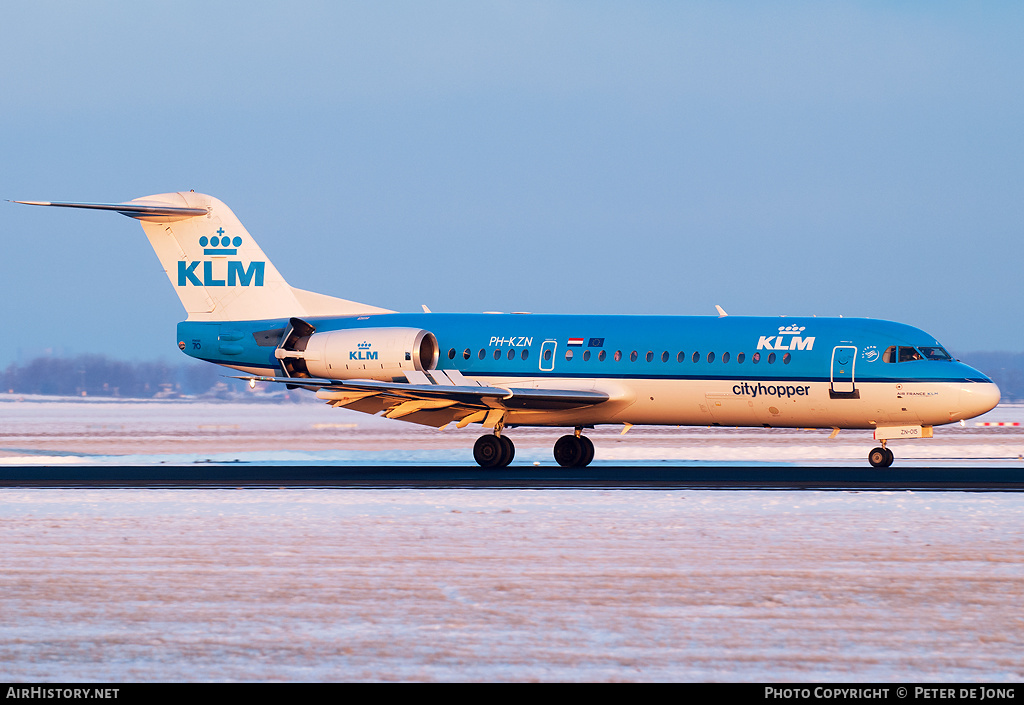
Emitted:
pixel 880 457
pixel 494 451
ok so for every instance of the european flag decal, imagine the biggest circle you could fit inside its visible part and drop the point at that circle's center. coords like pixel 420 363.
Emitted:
pixel 596 343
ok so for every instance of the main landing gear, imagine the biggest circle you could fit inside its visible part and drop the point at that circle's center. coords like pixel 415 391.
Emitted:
pixel 496 451
pixel 880 457
pixel 574 451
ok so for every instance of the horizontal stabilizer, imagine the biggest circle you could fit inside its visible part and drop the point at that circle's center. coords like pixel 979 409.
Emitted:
pixel 141 209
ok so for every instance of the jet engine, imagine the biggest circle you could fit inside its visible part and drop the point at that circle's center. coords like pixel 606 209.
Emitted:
pixel 360 353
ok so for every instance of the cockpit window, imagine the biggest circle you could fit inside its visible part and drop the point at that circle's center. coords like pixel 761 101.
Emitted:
pixel 935 353
pixel 907 354
pixel 890 354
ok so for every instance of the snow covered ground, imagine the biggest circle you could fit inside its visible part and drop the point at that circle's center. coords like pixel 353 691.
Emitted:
pixel 133 585
pixel 568 585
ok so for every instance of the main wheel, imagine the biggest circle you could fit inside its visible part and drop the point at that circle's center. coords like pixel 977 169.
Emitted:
pixel 568 451
pixel 588 452
pixel 508 451
pixel 489 451
pixel 880 457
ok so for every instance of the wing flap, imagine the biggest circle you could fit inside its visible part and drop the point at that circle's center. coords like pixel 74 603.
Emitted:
pixel 466 397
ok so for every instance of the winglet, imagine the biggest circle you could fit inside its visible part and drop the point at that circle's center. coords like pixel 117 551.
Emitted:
pixel 721 311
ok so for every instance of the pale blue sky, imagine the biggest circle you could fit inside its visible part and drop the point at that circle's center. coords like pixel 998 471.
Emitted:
pixel 798 158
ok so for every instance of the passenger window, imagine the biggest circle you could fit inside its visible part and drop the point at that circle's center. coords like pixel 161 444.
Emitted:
pixel 786 358
pixel 681 356
pixel 568 355
pixel 525 354
pixel 511 354
pixel 696 356
pixel 617 355
pixel 451 354
pixel 650 355
pixel 547 354
pixel 711 357
pixel 497 354
pixel 466 353
pixel 725 357
pixel 740 357
pixel 601 356
pixel 756 358
pixel 664 356
pixel 771 359
pixel 482 353
pixel 586 355
pixel 632 356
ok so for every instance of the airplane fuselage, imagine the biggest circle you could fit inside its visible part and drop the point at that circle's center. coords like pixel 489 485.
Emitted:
pixel 667 370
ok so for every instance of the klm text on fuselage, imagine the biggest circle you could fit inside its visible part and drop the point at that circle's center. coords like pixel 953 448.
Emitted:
pixel 780 343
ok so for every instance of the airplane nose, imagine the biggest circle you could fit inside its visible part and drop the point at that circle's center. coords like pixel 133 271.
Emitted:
pixel 977 398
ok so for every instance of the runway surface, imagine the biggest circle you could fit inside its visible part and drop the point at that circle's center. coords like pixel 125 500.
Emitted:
pixel 510 585
pixel 461 477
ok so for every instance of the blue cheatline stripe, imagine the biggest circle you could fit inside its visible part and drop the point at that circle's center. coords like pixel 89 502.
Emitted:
pixel 711 377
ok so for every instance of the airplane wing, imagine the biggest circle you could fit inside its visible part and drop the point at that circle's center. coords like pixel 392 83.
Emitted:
pixel 441 402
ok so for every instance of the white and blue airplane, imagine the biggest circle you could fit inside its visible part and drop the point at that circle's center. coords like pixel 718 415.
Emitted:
pixel 508 370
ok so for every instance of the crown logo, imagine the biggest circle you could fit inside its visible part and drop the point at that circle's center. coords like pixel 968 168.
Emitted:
pixel 786 330
pixel 364 345
pixel 220 244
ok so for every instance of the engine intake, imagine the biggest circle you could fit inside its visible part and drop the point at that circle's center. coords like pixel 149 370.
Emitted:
pixel 361 353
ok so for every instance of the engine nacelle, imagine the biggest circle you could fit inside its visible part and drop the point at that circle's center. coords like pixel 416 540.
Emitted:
pixel 366 353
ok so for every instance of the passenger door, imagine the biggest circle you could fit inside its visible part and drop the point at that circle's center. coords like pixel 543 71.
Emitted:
pixel 844 359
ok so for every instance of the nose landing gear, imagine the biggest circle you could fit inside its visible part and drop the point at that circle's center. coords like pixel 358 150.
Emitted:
pixel 880 457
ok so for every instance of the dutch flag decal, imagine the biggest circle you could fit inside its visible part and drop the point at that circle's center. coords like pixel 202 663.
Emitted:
pixel 575 341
